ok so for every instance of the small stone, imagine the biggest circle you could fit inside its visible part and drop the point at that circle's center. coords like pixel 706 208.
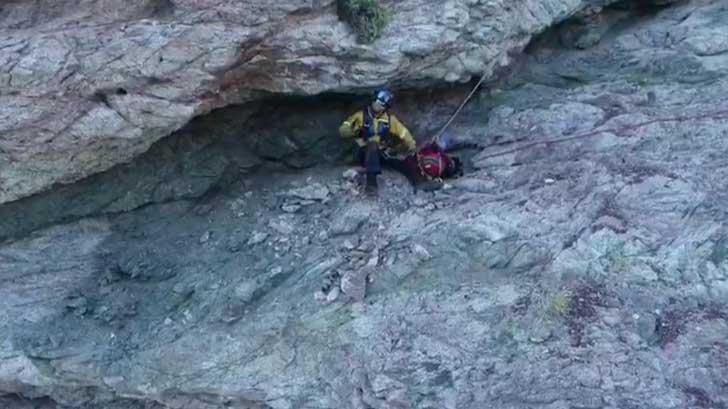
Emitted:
pixel 276 270
pixel 168 321
pixel 319 296
pixel 78 305
pixel 290 208
pixel 235 244
pixel 245 290
pixel 282 226
pixel 353 284
pixel 348 245
pixel 205 237
pixel 202 210
pixel 421 252
pixel 420 202
pixel 350 174
pixel 540 335
pixel 549 181
pixel 374 259
pixel 257 238
pixel 315 191
pixel 333 295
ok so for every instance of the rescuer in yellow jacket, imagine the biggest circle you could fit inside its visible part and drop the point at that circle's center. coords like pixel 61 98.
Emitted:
pixel 376 131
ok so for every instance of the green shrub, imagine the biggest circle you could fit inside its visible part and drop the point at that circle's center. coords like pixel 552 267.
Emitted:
pixel 559 305
pixel 366 17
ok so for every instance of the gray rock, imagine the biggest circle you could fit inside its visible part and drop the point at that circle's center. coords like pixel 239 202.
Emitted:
pixel 314 191
pixel 74 83
pixel 291 208
pixel 282 226
pixel 421 252
pixel 550 285
pixel 257 238
pixel 353 284
pixel 475 185
pixel 236 243
pixel 351 219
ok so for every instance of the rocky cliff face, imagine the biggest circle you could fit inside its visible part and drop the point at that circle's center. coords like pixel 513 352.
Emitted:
pixel 91 84
pixel 590 271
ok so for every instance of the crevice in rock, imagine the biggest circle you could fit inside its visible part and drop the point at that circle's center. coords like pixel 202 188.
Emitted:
pixel 161 8
pixel 286 132
pixel 16 401
pixel 170 399
pixel 585 31
pixel 216 149
pixel 103 98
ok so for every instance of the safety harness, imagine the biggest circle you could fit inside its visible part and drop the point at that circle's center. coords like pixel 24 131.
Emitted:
pixel 366 130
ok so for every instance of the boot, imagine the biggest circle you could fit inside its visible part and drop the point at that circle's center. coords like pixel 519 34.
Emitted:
pixel 371 188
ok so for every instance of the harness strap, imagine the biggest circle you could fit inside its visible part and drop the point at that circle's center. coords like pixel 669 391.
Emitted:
pixel 367 131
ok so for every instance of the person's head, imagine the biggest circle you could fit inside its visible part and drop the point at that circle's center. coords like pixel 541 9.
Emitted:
pixel 454 168
pixel 382 100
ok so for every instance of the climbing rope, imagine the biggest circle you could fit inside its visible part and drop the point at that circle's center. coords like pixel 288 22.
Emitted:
pixel 716 115
pixel 460 108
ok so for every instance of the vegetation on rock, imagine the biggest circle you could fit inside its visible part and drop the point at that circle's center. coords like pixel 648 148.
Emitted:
pixel 366 17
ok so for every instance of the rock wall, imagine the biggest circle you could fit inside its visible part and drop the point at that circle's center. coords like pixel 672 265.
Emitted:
pixel 91 84
pixel 586 273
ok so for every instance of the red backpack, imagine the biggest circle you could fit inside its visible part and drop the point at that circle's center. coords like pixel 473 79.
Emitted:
pixel 436 164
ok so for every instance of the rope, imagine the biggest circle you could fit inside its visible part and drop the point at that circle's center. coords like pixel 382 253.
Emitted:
pixel 723 114
pixel 713 115
pixel 460 108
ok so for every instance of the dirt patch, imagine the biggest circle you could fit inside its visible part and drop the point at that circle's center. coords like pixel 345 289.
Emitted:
pixel 582 310
pixel 672 324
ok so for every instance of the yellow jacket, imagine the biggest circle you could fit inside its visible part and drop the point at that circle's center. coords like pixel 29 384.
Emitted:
pixel 399 137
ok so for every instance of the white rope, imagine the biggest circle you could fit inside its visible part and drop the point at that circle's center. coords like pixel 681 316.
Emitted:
pixel 460 108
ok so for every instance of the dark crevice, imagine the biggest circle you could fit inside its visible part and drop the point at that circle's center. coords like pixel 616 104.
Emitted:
pixel 644 8
pixel 162 8
pixel 101 97
pixel 585 31
pixel 17 401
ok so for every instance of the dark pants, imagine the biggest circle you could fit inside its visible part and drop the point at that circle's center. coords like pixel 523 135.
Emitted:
pixel 371 158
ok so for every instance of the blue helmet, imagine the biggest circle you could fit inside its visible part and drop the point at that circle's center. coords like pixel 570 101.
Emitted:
pixel 385 96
